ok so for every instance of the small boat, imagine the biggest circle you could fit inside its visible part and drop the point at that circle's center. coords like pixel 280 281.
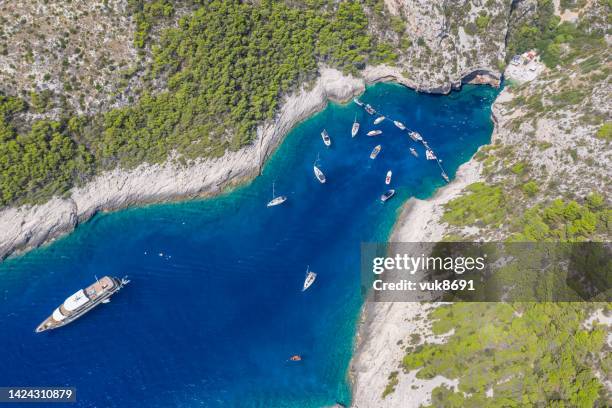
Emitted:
pixel 414 152
pixel 319 174
pixel 355 128
pixel 357 101
pixel 295 357
pixel 388 194
pixel 375 152
pixel 276 200
pixel 429 154
pixel 326 138
pixel 379 119
pixel 370 109
pixel 399 124
pixel 388 178
pixel 424 142
pixel 310 278
pixel 374 132
pixel 445 177
pixel 415 136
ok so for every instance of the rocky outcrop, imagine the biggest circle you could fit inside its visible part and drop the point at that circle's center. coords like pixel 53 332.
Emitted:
pixel 449 41
pixel 30 226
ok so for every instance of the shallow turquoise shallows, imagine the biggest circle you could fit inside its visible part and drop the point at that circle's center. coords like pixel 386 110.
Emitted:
pixel 214 308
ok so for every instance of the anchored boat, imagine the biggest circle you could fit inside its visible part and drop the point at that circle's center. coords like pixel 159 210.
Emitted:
pixel 415 136
pixel 399 124
pixel 379 119
pixel 387 195
pixel 374 132
pixel 388 178
pixel 355 127
pixel 414 152
pixel 82 302
pixel 276 200
pixel 319 174
pixel 357 101
pixel 326 138
pixel 369 109
pixel 310 278
pixel 430 154
pixel 375 152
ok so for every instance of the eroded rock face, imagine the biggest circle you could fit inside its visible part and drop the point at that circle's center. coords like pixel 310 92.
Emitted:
pixel 450 40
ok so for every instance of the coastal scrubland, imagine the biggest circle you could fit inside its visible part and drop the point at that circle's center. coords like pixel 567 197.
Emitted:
pixel 207 83
pixel 544 178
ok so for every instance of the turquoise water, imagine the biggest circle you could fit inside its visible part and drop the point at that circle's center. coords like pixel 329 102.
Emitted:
pixel 215 306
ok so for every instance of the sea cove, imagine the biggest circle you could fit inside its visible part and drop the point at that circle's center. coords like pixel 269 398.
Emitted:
pixel 214 308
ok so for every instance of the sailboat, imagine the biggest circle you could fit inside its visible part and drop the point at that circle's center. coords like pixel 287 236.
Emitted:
pixel 375 152
pixel 379 119
pixel 355 127
pixel 276 200
pixel 318 173
pixel 310 278
pixel 399 124
pixel 326 138
pixel 388 178
pixel 387 195
pixel 416 136
pixel 374 132
pixel 414 152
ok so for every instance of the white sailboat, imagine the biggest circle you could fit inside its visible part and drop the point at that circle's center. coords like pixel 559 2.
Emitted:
pixel 326 138
pixel 310 278
pixel 375 152
pixel 387 195
pixel 276 200
pixel 416 136
pixel 388 178
pixel 355 127
pixel 374 132
pixel 399 124
pixel 379 119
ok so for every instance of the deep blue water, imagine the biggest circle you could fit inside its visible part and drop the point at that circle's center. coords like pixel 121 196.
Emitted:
pixel 214 308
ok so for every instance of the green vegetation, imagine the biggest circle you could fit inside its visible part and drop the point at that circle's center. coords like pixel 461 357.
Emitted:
pixel 482 203
pixel 39 163
pixel 530 188
pixel 226 65
pixel 546 33
pixel 560 221
pixel 605 131
pixel 532 354
pixel 390 387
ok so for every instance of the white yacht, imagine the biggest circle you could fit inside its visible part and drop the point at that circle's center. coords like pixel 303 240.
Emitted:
pixel 374 132
pixel 399 124
pixel 430 154
pixel 379 119
pixel 326 138
pixel 388 178
pixel 388 194
pixel 319 174
pixel 375 152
